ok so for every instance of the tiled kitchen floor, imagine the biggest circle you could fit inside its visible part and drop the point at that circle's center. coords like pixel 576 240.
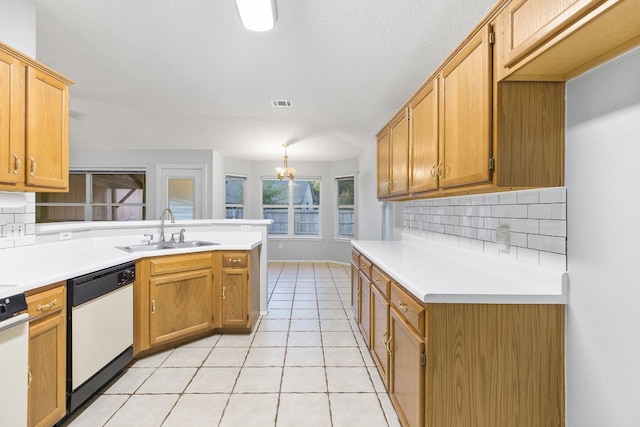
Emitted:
pixel 305 364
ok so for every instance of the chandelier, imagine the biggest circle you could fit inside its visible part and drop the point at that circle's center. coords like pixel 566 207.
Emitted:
pixel 285 171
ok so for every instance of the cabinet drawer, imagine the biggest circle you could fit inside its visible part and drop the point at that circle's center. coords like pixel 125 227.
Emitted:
pixel 365 266
pixel 50 301
pixel 235 259
pixel 177 263
pixel 355 257
pixel 411 310
pixel 381 281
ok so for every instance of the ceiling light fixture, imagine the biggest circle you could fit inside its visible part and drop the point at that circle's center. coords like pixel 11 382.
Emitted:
pixel 257 15
pixel 285 171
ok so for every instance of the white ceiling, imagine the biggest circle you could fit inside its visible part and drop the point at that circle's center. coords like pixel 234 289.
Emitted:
pixel 167 74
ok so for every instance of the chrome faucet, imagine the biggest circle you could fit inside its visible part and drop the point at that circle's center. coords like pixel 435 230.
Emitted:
pixel 162 222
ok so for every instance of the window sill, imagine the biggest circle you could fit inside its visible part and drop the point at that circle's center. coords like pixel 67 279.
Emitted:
pixel 344 239
pixel 312 238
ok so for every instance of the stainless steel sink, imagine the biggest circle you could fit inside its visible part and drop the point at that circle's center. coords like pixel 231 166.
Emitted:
pixel 166 245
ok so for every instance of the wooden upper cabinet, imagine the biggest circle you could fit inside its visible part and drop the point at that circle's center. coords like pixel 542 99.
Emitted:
pixel 47 139
pixel 465 114
pixel 423 139
pixel 557 40
pixel 399 141
pixel 529 23
pixel 11 119
pixel 384 155
pixel 34 125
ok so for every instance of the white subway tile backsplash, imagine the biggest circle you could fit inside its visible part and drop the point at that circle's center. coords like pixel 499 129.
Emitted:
pixel 24 214
pixel 536 219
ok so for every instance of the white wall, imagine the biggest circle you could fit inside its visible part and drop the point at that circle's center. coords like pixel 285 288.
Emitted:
pixel 18 25
pixel 369 209
pixel 603 201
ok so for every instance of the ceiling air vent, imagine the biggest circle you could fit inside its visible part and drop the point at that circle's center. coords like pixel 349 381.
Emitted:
pixel 281 103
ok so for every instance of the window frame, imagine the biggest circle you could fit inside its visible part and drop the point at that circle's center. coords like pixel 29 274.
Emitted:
pixel 291 209
pixel 337 235
pixel 244 195
pixel 89 204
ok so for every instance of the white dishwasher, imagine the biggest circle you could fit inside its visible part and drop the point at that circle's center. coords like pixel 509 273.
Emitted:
pixel 14 359
pixel 100 330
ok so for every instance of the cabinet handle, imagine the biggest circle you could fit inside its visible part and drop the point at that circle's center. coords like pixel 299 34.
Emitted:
pixel 16 164
pixel 34 167
pixel 378 282
pixel 29 377
pixel 432 172
pixel 388 345
pixel 235 260
pixel 439 170
pixel 403 306
pixel 46 307
pixel 223 295
pixel 153 306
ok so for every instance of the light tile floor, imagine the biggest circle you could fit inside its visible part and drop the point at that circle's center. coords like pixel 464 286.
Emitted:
pixel 305 364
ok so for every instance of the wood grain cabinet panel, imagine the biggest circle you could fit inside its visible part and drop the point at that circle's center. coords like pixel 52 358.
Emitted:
pixel 47 356
pixel 355 289
pixel 423 139
pixel 181 305
pixel 380 333
pixel 365 308
pixel 34 125
pixel 399 146
pixel 235 297
pixel 384 163
pixel 465 114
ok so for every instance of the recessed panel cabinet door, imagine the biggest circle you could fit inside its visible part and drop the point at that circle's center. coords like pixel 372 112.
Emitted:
pixel 365 308
pixel 465 114
pixel 11 119
pixel 355 292
pixel 406 371
pixel 380 333
pixel 399 140
pixel 47 137
pixel 529 23
pixel 384 155
pixel 180 304
pixel 235 294
pixel 423 139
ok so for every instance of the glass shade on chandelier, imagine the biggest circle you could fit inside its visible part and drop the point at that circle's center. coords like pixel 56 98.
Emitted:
pixel 285 171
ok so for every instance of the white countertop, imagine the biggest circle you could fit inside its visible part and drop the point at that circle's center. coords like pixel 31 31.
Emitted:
pixel 441 273
pixel 30 267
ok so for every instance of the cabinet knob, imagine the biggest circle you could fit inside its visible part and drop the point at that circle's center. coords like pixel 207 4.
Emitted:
pixel 16 164
pixel 403 306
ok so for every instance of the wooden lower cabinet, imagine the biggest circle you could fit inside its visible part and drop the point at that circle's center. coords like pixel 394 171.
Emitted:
pixel 380 333
pixel 181 305
pixel 355 291
pixel 406 386
pixel 47 355
pixel 450 364
pixel 365 308
pixel 239 296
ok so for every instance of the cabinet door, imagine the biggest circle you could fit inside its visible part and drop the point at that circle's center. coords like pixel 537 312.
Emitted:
pixel 11 119
pixel 47 143
pixel 380 333
pixel 465 114
pixel 355 292
pixel 181 304
pixel 384 159
pixel 530 23
pixel 47 368
pixel 365 308
pixel 399 143
pixel 235 297
pixel 406 371
pixel 423 139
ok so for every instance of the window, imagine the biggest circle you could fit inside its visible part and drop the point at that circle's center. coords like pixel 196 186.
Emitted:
pixel 345 191
pixel 95 196
pixel 234 201
pixel 294 206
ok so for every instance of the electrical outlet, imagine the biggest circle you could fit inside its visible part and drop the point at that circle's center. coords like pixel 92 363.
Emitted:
pixel 503 240
pixel 15 230
pixel 279 245
pixel 245 228
pixel 66 235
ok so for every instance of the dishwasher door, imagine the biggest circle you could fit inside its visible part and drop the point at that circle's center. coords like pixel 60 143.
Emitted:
pixel 102 330
pixel 14 357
